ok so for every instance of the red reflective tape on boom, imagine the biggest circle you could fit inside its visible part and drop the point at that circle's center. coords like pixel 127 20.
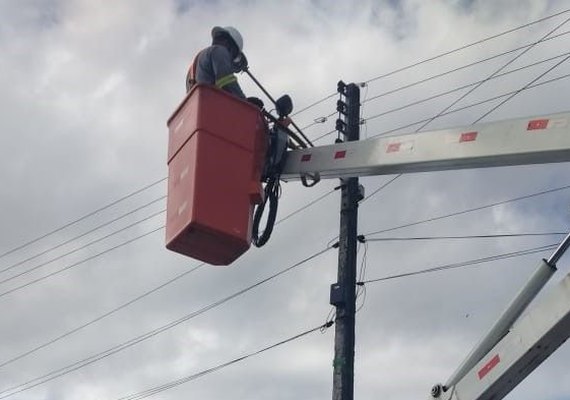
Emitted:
pixel 489 366
pixel 306 157
pixel 537 124
pixel 393 147
pixel 340 154
pixel 468 137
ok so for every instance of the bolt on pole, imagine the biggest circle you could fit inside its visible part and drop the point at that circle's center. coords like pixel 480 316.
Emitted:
pixel 343 293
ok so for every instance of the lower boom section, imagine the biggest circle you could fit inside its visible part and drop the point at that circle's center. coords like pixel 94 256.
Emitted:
pixel 534 337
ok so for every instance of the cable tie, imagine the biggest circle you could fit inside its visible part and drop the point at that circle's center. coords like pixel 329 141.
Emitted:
pixel 336 245
pixel 359 283
pixel 361 238
pixel 328 324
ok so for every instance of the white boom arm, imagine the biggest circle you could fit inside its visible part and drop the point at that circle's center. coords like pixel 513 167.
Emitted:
pixel 532 339
pixel 515 346
pixel 539 140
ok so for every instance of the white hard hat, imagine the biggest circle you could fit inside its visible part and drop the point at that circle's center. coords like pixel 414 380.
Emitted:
pixel 232 32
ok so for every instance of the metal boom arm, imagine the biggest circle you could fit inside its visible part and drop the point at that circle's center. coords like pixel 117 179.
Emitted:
pixel 539 140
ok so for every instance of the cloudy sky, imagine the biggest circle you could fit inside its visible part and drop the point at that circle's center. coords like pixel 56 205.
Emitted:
pixel 86 89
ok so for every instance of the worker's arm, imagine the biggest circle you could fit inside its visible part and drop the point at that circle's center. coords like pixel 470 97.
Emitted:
pixel 224 71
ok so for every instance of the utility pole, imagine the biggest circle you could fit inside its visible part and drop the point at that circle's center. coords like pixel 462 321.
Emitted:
pixel 343 293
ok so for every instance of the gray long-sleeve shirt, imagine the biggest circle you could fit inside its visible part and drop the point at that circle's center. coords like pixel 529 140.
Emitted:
pixel 214 67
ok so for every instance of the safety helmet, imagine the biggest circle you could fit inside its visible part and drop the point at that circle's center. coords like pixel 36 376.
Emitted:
pixel 231 32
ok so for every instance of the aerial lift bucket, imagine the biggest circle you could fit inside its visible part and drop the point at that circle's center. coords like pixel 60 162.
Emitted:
pixel 216 151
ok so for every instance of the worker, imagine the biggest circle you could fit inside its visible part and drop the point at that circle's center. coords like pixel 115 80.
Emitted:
pixel 216 64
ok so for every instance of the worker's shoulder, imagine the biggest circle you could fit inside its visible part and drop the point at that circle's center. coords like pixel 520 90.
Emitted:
pixel 217 51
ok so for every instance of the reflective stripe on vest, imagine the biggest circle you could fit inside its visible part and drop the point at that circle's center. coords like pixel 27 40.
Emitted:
pixel 225 80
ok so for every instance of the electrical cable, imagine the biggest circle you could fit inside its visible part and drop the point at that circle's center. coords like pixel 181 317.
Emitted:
pixel 469 210
pixel 82 235
pixel 161 388
pixel 43 264
pixel 361 289
pixel 433 97
pixel 459 88
pixel 305 207
pixel 461 237
pixel 4 393
pixel 463 264
pixel 99 318
pixel 34 281
pixel 488 100
pixel 382 187
pixel 521 89
pixel 494 73
pixel 67 225
pixel 372 239
pixel 446 53
pixel 440 75
pixel 272 192
pixel 139 297
pixel 468 45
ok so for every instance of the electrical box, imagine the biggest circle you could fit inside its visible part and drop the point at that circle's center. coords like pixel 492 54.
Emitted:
pixel 216 151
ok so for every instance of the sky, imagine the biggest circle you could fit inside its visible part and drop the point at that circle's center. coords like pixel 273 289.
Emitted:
pixel 87 88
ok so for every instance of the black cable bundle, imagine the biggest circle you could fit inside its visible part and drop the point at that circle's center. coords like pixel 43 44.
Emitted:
pixel 272 193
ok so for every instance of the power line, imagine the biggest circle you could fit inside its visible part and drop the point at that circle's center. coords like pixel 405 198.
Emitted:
pixel 468 45
pixel 433 58
pixel 521 89
pixel 140 297
pixel 488 100
pixel 79 248
pixel 161 388
pixel 459 88
pixel 100 317
pixel 463 264
pixel 82 218
pixel 32 282
pixel 120 347
pixel 469 210
pixel 433 97
pixel 462 237
pixel 493 74
pixel 83 234
pixel 306 206
pixel 382 187
pixel 440 75
pixel 106 353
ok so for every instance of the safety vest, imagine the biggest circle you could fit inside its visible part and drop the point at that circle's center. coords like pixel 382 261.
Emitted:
pixel 191 76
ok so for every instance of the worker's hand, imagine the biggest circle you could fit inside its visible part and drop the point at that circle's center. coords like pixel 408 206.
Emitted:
pixel 240 63
pixel 256 101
